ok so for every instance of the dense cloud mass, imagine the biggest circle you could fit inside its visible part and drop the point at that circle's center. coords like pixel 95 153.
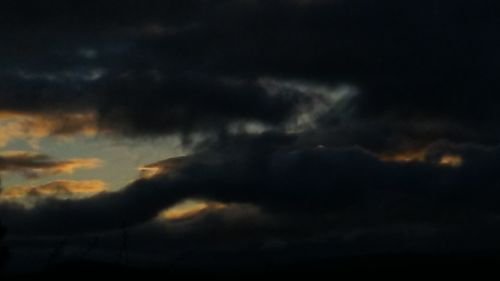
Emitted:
pixel 343 121
pixel 268 172
pixel 430 64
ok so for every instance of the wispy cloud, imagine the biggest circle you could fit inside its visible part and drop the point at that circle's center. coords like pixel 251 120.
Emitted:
pixel 34 126
pixel 58 188
pixel 32 165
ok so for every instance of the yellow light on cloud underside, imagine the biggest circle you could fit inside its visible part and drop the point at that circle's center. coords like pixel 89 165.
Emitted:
pixel 405 156
pixel 189 208
pixel 421 155
pixel 149 172
pixel 161 167
pixel 58 188
pixel 451 160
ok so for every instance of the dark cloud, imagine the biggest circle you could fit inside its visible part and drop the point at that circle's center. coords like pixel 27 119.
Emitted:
pixel 188 104
pixel 343 185
pixel 425 71
pixel 277 201
pixel 140 104
pixel 425 83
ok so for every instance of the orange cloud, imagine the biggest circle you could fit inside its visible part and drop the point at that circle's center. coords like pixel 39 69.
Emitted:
pixel 161 167
pixel 410 155
pixel 33 165
pixel 33 126
pixel 59 188
pixel 423 155
pixel 451 160
pixel 190 208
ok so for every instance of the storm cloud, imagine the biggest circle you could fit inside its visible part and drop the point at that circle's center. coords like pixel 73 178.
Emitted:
pixel 343 185
pixel 312 119
pixel 424 70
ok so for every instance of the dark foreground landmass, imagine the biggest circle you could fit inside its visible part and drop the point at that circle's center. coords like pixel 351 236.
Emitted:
pixel 388 267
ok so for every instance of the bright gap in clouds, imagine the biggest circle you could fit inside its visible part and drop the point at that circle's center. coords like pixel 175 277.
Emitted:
pixel 118 159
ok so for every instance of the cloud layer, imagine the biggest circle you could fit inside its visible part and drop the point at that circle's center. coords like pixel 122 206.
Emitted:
pixel 422 73
pixel 342 121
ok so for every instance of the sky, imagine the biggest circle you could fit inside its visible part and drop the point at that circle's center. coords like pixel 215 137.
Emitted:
pixel 247 130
